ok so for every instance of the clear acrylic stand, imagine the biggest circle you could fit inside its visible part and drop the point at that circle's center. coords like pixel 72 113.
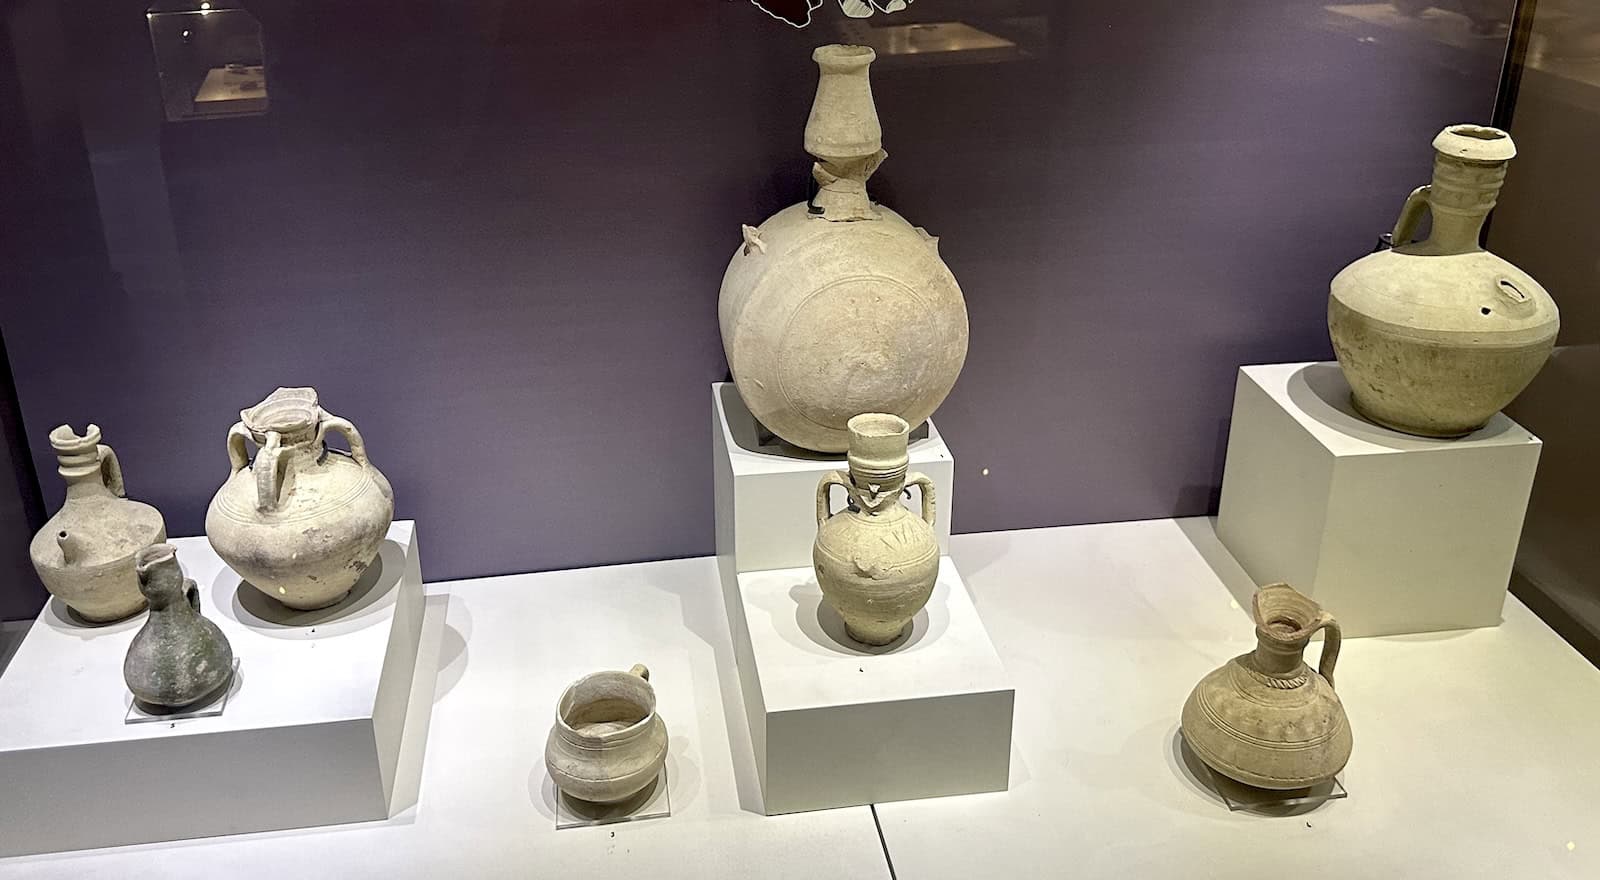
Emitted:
pixel 210 708
pixel 651 803
pixel 1239 796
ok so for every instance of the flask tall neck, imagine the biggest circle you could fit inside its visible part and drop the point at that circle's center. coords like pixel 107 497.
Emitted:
pixel 1278 658
pixel 1460 198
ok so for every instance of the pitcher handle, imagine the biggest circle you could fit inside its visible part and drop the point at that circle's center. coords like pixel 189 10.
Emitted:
pixel 269 473
pixel 331 422
pixel 1330 647
pixel 111 470
pixel 923 481
pixel 238 452
pixel 640 670
pixel 1410 216
pixel 824 496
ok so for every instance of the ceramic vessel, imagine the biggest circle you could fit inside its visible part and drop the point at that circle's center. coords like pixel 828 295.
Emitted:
pixel 179 658
pixel 876 561
pixel 301 522
pixel 839 306
pixel 84 554
pixel 1266 718
pixel 1437 336
pixel 608 743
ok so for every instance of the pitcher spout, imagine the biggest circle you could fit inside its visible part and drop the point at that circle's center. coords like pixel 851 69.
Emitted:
pixel 71 547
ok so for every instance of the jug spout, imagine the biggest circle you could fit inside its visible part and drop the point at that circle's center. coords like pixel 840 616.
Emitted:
pixel 71 547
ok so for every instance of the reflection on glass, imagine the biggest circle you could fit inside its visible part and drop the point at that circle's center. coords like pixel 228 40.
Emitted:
pixel 210 60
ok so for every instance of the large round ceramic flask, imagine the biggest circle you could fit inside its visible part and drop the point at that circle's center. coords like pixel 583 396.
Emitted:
pixel 839 306
pixel 1437 336
pixel 85 553
pixel 1266 718
pixel 608 744
pixel 301 522
pixel 876 561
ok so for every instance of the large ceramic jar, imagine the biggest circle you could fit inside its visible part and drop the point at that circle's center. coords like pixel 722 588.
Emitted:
pixel 608 744
pixel 1266 718
pixel 178 659
pixel 301 522
pixel 876 561
pixel 85 553
pixel 1437 336
pixel 839 306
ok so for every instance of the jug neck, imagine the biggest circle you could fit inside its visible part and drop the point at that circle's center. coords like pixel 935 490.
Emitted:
pixel 1278 657
pixel 875 491
pixel 1460 198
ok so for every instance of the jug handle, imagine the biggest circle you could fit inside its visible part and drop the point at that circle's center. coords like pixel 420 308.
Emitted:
pixel 192 593
pixel 925 483
pixel 824 498
pixel 111 470
pixel 640 670
pixel 269 473
pixel 1330 647
pixel 1410 216
pixel 330 422
pixel 238 452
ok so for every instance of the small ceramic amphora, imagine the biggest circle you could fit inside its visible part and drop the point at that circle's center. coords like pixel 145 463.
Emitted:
pixel 608 743
pixel 301 522
pixel 876 561
pixel 179 658
pixel 1266 718
pixel 84 554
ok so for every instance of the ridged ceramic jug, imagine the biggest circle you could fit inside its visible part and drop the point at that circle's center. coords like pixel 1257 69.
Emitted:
pixel 1437 336
pixel 179 658
pixel 839 306
pixel 876 561
pixel 1266 718
pixel 85 553
pixel 608 743
pixel 301 522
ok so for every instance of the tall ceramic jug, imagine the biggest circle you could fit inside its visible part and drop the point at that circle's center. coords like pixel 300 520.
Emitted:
pixel 1266 718
pixel 301 522
pixel 178 658
pixel 84 554
pixel 839 306
pixel 1437 336
pixel 876 561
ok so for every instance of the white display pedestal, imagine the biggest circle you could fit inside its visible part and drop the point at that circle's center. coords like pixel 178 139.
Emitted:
pixel 766 495
pixel 311 734
pixel 1392 533
pixel 835 723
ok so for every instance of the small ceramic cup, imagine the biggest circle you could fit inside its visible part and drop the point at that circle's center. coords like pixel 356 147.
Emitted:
pixel 608 743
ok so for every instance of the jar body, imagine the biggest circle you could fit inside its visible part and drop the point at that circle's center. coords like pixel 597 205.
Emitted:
pixel 608 773
pixel 101 585
pixel 876 569
pixel 1267 735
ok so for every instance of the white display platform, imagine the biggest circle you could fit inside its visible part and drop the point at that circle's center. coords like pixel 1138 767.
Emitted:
pixel 310 735
pixel 1392 533
pixel 766 495
pixel 836 723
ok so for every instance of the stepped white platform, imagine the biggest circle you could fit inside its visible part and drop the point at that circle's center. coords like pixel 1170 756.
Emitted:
pixel 1474 753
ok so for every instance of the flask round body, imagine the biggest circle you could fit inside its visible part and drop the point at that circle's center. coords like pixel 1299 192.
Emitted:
pixel 876 561
pixel 85 553
pixel 607 744
pixel 301 522
pixel 1435 337
pixel 1265 718
pixel 178 658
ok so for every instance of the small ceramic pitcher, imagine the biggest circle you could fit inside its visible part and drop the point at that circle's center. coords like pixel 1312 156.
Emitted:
pixel 179 658
pixel 608 743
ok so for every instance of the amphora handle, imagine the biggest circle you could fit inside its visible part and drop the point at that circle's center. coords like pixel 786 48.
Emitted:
pixel 1405 227
pixel 824 494
pixel 925 483
pixel 269 473
pixel 111 470
pixel 331 422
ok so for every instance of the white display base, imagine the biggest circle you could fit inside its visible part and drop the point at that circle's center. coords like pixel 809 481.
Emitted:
pixel 766 495
pixel 1391 533
pixel 835 723
pixel 311 735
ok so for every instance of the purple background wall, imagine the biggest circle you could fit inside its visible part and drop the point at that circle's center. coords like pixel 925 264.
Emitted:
pixel 492 233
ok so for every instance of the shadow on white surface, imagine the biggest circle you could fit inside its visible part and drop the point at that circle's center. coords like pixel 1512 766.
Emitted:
pixel 1200 779
pixel 407 789
pixel 819 629
pixel 452 660
pixel 1201 532
pixel 361 608
pixel 564 811
pixel 12 632
pixel 1321 392
pixel 209 706
pixel 62 619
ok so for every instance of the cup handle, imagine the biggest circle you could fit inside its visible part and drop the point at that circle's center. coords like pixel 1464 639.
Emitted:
pixel 925 483
pixel 331 422
pixel 269 473
pixel 238 452
pixel 640 670
pixel 1331 637
pixel 1405 228
pixel 111 470
pixel 824 496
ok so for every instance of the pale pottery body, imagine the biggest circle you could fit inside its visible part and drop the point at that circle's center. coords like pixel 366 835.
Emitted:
pixel 608 744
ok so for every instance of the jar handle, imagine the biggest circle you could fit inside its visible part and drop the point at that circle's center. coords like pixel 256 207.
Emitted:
pixel 269 473
pixel 111 470
pixel 1330 646
pixel 925 483
pixel 238 452
pixel 640 670
pixel 824 496
pixel 331 422
pixel 1410 216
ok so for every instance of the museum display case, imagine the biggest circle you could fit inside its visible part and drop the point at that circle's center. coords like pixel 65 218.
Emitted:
pixel 1214 445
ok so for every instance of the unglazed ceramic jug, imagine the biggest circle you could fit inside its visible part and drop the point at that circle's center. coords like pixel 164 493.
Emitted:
pixel 1266 718
pixel 839 306
pixel 876 561
pixel 608 743
pixel 178 658
pixel 302 521
pixel 84 554
pixel 1437 336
